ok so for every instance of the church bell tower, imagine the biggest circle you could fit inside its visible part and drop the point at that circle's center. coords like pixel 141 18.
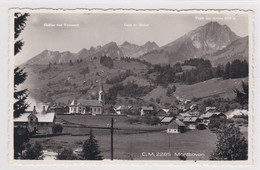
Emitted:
pixel 101 95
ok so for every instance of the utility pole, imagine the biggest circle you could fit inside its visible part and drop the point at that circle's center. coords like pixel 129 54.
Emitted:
pixel 112 131
pixel 169 141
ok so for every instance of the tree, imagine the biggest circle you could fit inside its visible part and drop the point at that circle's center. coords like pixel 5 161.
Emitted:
pixel 66 154
pixel 242 96
pixel 20 104
pixel 33 152
pixel 231 145
pixel 21 136
pixel 158 100
pixel 90 148
pixel 227 71
pixel 57 129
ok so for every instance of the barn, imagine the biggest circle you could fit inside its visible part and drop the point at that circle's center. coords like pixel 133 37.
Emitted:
pixel 36 121
pixel 176 126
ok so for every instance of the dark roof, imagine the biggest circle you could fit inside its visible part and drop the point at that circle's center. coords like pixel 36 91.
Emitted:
pixel 147 108
pixel 90 102
pixel 172 125
pixel 175 124
pixel 179 123
pixel 190 119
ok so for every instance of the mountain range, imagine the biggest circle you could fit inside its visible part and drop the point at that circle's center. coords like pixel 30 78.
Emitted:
pixel 211 41
pixel 134 51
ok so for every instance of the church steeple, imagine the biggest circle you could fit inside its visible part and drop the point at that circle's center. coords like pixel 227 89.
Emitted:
pixel 101 94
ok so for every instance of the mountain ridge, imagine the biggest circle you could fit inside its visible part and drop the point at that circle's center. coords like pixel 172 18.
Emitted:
pixel 203 40
pixel 206 41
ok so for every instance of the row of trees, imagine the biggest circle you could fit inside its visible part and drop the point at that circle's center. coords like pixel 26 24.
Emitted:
pixel 204 71
pixel 129 59
pixel 166 74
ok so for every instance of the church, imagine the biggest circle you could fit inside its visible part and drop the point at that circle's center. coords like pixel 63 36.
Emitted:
pixel 83 106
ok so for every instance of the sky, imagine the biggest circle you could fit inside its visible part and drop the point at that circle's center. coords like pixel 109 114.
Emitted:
pixel 74 31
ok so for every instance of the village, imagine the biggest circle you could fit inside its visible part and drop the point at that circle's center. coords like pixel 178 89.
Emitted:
pixel 178 118
pixel 81 115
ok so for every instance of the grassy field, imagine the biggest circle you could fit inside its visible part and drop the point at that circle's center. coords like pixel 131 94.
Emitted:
pixel 133 146
pixel 209 88
pixel 160 92
pixel 138 142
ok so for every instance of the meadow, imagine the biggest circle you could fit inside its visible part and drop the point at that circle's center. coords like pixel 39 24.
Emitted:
pixel 131 141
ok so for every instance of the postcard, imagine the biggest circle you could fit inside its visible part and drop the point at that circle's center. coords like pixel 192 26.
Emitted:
pixel 130 86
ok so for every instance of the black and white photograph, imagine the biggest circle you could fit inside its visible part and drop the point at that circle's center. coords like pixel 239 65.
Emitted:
pixel 127 85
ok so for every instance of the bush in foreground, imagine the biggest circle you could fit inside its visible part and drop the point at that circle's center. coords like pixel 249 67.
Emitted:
pixel 66 154
pixel 231 145
pixel 33 152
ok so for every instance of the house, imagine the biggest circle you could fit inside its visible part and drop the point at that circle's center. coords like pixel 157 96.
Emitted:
pixel 35 121
pixel 176 126
pixel 146 110
pixel 185 115
pixel 194 113
pixel 169 111
pixel 210 109
pixel 191 122
pixel 193 106
pixel 59 109
pixel 120 109
pixel 162 112
pixel 166 120
pixel 180 117
pixel 182 108
pixel 211 115
pixel 83 106
pixel 173 110
pixel 187 101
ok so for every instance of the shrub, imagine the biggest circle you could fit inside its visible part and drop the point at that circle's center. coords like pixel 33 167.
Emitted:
pixel 216 123
pixel 33 152
pixel 182 157
pixel 57 129
pixel 231 144
pixel 151 120
pixel 67 154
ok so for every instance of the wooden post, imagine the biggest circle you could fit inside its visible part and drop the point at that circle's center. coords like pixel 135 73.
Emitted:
pixel 112 131
pixel 169 141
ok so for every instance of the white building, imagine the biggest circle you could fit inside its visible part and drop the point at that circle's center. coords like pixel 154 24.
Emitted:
pixel 35 120
pixel 83 106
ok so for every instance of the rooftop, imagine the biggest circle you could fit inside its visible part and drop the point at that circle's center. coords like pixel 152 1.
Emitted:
pixel 147 108
pixel 86 102
pixel 190 119
pixel 48 117
pixel 166 119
